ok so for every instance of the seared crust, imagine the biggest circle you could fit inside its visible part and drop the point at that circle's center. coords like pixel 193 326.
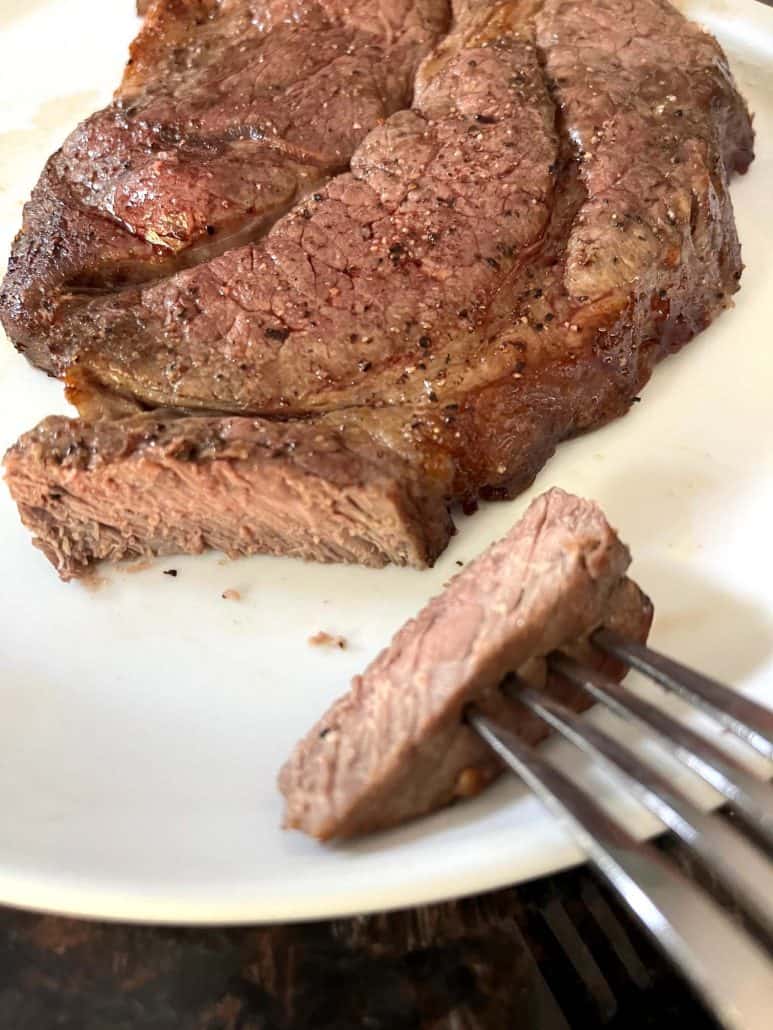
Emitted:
pixel 190 161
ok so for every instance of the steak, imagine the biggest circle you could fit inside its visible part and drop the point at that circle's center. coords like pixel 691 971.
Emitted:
pixel 228 112
pixel 396 746
pixel 499 269
pixel 160 483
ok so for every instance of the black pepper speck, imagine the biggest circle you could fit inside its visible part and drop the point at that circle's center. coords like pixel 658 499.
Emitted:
pixel 277 334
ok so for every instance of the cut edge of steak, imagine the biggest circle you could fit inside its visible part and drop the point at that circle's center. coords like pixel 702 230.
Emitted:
pixel 396 746
pixel 162 483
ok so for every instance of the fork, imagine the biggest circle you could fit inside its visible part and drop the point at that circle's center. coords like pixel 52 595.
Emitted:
pixel 729 962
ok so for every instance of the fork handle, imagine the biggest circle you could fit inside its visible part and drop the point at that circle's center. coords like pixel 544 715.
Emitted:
pixel 729 970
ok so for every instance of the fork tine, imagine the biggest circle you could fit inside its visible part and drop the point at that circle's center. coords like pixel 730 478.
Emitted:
pixel 740 866
pixel 742 716
pixel 750 796
pixel 723 963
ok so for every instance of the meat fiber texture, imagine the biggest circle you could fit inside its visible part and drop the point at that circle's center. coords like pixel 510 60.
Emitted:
pixel 397 746
pixel 132 488
pixel 449 288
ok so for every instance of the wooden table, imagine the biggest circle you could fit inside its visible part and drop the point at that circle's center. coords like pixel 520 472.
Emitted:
pixel 553 954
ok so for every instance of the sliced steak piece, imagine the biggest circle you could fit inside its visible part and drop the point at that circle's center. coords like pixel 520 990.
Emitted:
pixel 163 484
pixel 396 746
pixel 228 113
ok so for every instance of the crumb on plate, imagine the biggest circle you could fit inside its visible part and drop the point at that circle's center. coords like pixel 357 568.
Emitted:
pixel 323 639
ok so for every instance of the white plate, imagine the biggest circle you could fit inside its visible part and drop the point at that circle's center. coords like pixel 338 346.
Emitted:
pixel 142 725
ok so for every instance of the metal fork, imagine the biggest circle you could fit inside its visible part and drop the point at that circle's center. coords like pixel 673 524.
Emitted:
pixel 729 964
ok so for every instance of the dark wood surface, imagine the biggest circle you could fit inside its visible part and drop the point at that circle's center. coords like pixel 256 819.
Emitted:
pixel 553 954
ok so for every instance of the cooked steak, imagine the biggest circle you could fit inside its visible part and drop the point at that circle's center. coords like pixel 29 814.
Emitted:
pixel 396 746
pixel 160 483
pixel 500 268
pixel 227 114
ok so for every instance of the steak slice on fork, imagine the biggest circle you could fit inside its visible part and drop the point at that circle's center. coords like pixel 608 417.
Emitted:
pixel 396 746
